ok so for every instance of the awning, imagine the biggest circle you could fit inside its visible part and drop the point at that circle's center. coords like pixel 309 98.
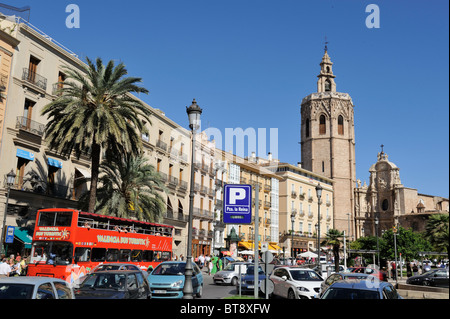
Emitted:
pixel 246 245
pixel 275 247
pixel 24 235
pixel 25 154
pixel 53 162
pixel 84 172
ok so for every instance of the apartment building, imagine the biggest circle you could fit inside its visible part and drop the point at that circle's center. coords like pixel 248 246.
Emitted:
pixel 298 211
pixel 252 171
pixel 31 68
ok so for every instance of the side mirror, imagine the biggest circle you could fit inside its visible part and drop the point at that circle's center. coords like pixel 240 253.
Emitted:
pixel 284 278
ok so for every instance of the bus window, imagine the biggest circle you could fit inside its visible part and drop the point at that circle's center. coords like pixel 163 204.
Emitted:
pixel 136 255
pixel 52 253
pixel 124 255
pixel 165 255
pixel 61 219
pixel 98 254
pixel 82 254
pixel 112 255
pixel 156 256
pixel 148 256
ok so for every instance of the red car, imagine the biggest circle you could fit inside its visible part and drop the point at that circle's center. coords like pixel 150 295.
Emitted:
pixel 370 271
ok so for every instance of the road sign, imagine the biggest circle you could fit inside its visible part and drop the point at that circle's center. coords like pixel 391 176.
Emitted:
pixel 237 204
pixel 9 238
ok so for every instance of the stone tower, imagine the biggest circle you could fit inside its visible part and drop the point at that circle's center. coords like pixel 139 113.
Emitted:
pixel 328 142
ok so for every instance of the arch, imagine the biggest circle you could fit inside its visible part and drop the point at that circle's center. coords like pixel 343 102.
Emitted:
pixel 327 85
pixel 322 124
pixel 340 125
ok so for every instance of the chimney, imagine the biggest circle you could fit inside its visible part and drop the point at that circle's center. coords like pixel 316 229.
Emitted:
pixel 269 157
pixel 299 164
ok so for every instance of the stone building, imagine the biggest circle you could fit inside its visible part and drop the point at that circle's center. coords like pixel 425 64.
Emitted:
pixel 328 141
pixel 387 201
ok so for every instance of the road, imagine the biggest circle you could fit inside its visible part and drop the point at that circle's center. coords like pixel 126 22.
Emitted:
pixel 213 291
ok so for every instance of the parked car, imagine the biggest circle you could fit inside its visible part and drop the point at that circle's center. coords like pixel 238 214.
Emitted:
pixel 340 276
pixel 230 274
pixel 360 289
pixel 326 269
pixel 109 267
pixel 34 288
pixel 436 277
pixel 370 271
pixel 114 284
pixel 296 283
pixel 167 280
pixel 248 279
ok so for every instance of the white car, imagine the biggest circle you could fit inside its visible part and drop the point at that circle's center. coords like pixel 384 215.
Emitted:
pixel 296 283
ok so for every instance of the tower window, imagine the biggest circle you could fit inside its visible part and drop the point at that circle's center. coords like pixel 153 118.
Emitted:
pixel 322 125
pixel 341 125
pixel 327 86
pixel 323 166
pixel 307 128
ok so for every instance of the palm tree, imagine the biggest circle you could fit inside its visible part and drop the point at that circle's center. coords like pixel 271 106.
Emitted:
pixel 128 189
pixel 333 238
pixel 95 111
pixel 436 232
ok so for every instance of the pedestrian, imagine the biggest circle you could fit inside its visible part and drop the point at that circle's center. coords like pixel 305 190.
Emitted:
pixel 408 270
pixel 210 268
pixel 415 269
pixel 5 268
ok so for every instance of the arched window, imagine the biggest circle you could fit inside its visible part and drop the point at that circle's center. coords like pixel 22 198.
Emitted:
pixel 341 125
pixel 322 125
pixel 327 86
pixel 307 128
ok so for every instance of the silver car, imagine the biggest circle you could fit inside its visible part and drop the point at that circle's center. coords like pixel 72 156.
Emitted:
pixel 230 274
pixel 34 288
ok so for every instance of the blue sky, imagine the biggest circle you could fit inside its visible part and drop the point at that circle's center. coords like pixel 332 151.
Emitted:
pixel 249 63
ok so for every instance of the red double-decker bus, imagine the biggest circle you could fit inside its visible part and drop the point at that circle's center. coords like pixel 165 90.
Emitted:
pixel 68 243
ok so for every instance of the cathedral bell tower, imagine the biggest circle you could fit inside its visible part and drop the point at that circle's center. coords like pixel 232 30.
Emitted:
pixel 328 142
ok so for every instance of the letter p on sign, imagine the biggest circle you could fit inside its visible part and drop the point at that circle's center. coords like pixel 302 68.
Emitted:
pixel 236 194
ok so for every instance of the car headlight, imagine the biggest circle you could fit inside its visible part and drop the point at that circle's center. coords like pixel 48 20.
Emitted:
pixel 177 284
pixel 303 289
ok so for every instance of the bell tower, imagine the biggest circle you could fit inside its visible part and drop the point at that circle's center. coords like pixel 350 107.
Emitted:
pixel 328 142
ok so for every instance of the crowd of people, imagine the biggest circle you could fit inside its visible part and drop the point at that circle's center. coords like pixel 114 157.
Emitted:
pixel 13 266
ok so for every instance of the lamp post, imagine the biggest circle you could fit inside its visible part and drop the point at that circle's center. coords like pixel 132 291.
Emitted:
pixel 319 196
pixel 194 112
pixel 378 249
pixel 292 234
pixel 10 178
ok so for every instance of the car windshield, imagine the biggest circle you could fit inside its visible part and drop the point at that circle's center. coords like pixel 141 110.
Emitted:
pixel 343 293
pixel 251 270
pixel 52 253
pixel 305 275
pixel 169 270
pixel 16 291
pixel 431 272
pixel 229 267
pixel 104 281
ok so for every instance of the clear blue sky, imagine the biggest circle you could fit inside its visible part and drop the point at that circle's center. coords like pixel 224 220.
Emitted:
pixel 249 63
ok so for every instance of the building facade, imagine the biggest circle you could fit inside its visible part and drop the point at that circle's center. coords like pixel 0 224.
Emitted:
pixel 386 202
pixel 328 141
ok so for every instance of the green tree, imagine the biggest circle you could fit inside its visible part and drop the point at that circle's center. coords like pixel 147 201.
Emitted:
pixel 95 111
pixel 436 232
pixel 409 244
pixel 333 238
pixel 129 189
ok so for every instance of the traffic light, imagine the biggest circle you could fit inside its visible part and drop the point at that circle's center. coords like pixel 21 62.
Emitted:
pixel 394 229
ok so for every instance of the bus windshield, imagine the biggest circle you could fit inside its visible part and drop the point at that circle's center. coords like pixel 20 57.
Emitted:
pixel 52 253
pixel 59 219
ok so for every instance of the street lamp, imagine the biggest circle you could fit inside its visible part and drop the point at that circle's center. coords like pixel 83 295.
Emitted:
pixel 10 178
pixel 292 234
pixel 319 196
pixel 194 112
pixel 378 248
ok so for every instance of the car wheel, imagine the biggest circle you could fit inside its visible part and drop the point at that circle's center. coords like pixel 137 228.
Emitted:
pixel 291 294
pixel 234 281
pixel 199 292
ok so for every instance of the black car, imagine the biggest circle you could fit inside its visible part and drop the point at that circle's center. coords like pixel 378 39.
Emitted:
pixel 116 284
pixel 436 277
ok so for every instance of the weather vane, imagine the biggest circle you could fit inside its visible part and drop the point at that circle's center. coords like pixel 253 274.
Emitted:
pixel 326 44
pixel 382 146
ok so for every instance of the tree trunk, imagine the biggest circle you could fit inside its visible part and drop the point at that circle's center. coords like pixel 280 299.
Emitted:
pixel 95 162
pixel 336 258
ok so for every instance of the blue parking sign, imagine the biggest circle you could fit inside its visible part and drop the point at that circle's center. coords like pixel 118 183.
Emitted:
pixel 237 204
pixel 9 236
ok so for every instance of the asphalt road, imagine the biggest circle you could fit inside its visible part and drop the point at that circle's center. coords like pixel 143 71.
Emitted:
pixel 213 291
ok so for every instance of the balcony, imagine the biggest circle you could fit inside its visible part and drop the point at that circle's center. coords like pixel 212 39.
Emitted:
pixel 301 196
pixel 34 184
pixel 267 204
pixel 267 188
pixel 161 145
pixel 25 124
pixel 173 181
pixel 34 79
pixel 293 194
